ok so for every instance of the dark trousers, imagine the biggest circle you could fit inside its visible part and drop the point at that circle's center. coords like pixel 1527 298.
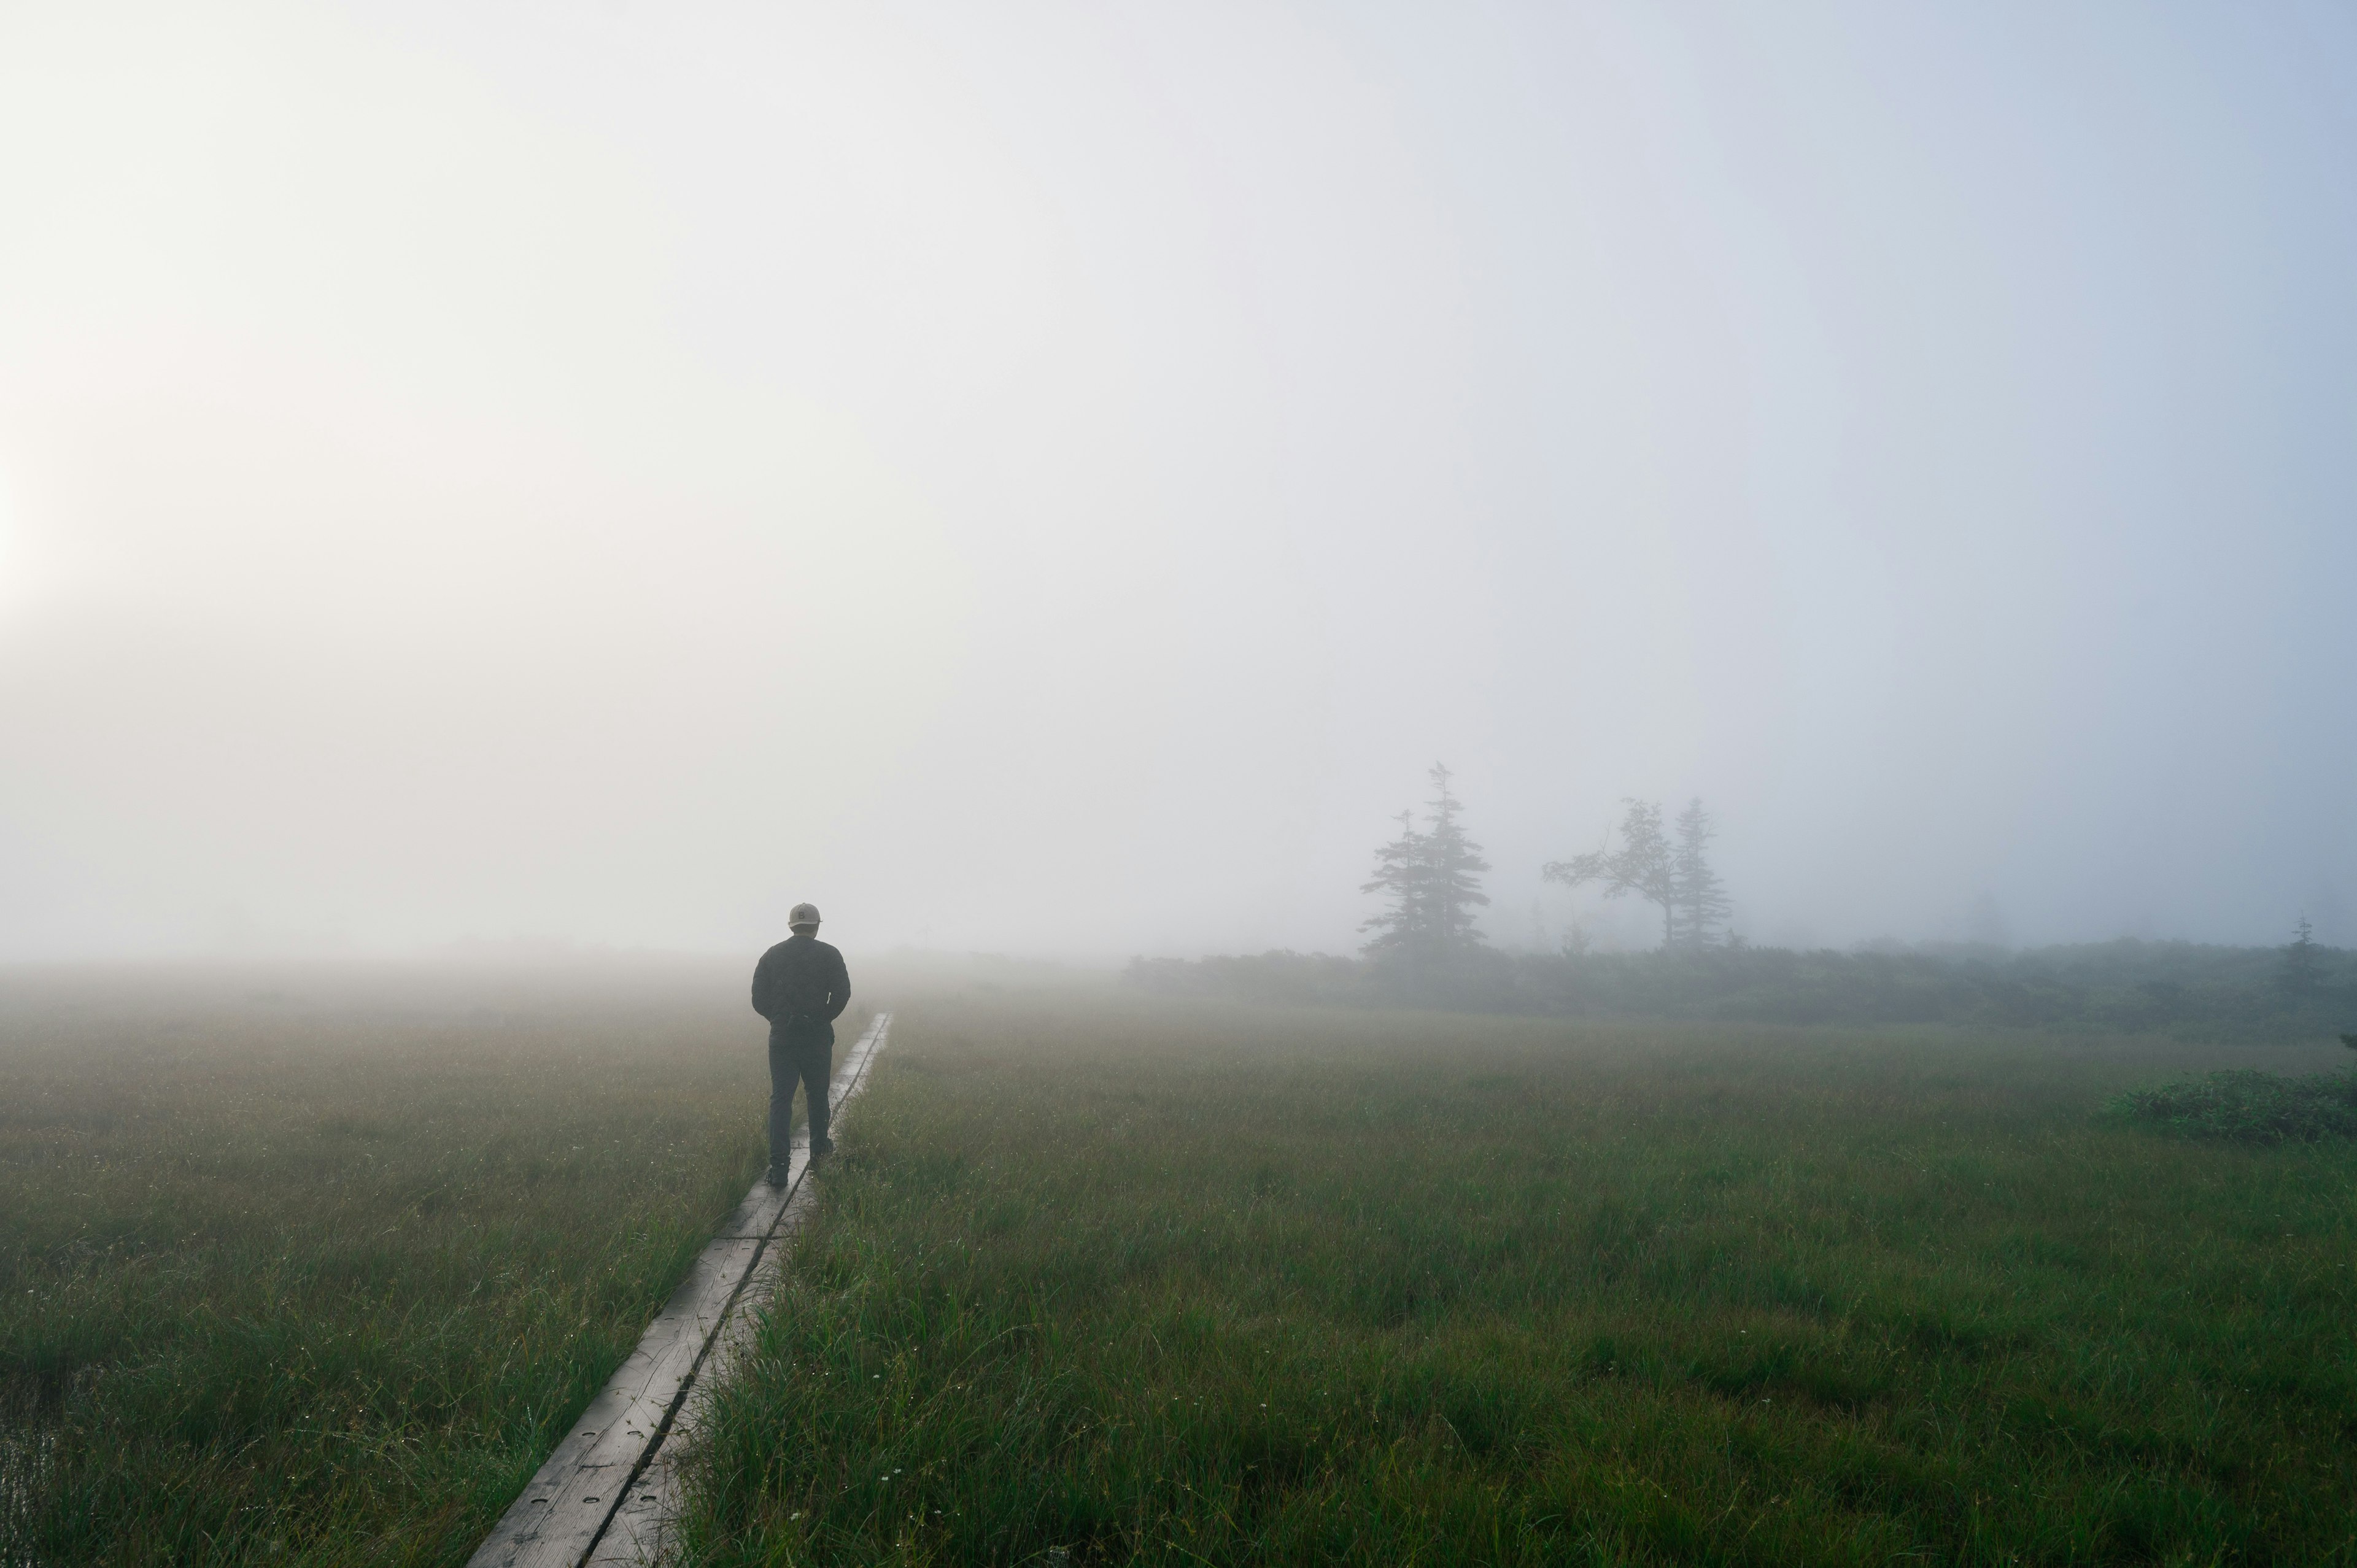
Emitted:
pixel 800 1052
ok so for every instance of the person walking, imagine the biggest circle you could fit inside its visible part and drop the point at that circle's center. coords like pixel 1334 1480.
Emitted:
pixel 800 987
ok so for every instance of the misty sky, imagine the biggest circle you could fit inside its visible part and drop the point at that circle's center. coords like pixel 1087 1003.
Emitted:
pixel 1051 478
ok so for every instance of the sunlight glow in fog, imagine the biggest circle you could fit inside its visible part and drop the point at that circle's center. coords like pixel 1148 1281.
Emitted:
pixel 8 565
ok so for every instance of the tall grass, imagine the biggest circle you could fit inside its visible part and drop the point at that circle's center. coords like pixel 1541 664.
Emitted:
pixel 1187 1284
pixel 322 1280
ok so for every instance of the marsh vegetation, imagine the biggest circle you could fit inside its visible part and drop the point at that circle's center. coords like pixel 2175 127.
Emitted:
pixel 317 1271
pixel 1168 1283
pixel 314 1277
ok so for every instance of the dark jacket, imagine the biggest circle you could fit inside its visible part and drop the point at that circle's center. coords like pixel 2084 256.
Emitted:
pixel 800 980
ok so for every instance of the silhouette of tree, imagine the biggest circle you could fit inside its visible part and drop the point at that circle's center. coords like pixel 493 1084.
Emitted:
pixel 1697 896
pixel 1400 876
pixel 1643 865
pixel 1433 879
pixel 2302 970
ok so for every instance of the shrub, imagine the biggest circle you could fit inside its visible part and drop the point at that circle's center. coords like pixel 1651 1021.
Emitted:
pixel 2248 1107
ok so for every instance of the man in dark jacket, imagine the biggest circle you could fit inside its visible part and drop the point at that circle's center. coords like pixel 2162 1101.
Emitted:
pixel 800 987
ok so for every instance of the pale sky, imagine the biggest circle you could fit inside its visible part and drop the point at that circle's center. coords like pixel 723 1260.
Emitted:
pixel 1050 478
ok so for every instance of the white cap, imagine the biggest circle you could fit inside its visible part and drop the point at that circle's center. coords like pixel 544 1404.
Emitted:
pixel 803 915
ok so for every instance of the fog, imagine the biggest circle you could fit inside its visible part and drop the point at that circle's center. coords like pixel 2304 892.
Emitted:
pixel 1050 480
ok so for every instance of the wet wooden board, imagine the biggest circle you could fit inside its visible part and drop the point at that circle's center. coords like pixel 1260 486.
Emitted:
pixel 640 1532
pixel 602 1492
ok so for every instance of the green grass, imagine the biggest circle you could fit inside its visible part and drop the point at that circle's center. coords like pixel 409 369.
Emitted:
pixel 322 1277
pixel 319 1278
pixel 1183 1283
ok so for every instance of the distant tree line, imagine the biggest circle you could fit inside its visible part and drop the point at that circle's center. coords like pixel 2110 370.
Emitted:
pixel 1425 948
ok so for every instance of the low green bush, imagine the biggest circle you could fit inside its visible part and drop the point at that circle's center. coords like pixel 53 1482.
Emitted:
pixel 2244 1106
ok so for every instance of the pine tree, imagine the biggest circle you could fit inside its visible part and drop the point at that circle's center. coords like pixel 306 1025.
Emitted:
pixel 2303 963
pixel 1643 864
pixel 1400 874
pixel 1454 867
pixel 1697 896
pixel 1433 880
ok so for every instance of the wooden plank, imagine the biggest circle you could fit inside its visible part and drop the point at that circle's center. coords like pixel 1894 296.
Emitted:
pixel 757 1214
pixel 602 1471
pixel 640 1533
pixel 560 1512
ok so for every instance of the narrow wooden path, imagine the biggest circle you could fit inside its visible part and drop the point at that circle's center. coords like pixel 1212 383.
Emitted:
pixel 608 1492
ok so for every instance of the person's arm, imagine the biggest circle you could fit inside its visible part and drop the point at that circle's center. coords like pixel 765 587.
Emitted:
pixel 764 985
pixel 838 987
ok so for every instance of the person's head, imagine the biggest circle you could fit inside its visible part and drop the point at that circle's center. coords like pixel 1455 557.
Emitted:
pixel 802 920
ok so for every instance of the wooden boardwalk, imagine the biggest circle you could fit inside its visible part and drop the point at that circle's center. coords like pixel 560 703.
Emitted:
pixel 608 1495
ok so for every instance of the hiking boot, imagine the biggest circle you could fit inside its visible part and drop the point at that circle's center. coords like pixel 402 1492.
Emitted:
pixel 780 1174
pixel 820 1148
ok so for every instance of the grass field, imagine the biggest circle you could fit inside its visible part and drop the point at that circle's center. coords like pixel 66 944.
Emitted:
pixel 314 1272
pixel 317 1273
pixel 1107 1281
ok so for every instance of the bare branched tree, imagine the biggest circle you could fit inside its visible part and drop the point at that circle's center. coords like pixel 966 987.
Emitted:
pixel 1643 865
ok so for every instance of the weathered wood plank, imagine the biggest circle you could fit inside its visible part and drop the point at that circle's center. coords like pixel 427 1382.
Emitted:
pixel 757 1214
pixel 605 1470
pixel 640 1532
pixel 568 1501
